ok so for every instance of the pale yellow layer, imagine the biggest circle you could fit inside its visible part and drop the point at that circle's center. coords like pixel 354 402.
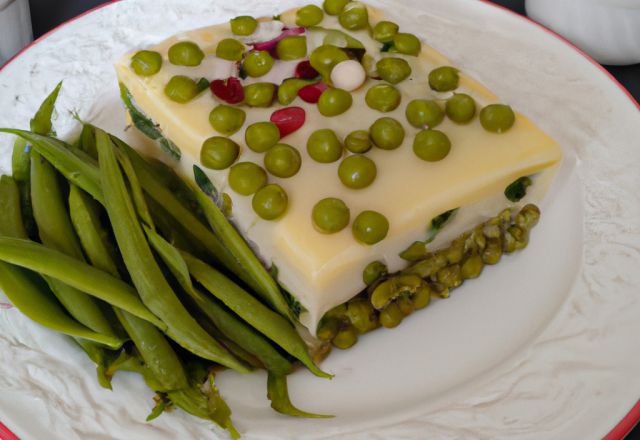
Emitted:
pixel 323 271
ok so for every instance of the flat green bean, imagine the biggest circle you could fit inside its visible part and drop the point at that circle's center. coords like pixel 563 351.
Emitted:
pixel 97 355
pixel 263 319
pixel 77 274
pixel 87 141
pixel 145 273
pixel 41 122
pixel 21 168
pixel 11 224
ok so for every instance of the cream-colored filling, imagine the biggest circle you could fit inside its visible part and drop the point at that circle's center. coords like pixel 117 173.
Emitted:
pixel 322 271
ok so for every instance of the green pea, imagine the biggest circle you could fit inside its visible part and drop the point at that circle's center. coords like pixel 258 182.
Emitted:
pixel 270 202
pixel 219 153
pixel 227 205
pixel 247 178
pixel 288 90
pixel 393 70
pixel 472 267
pixel 424 114
pixel 292 48
pixel 243 25
pixel 334 102
pixel 282 160
pixel 391 316
pixel 373 272
pixel 461 108
pixel 230 49
pixel 324 146
pixel 308 16
pixel 186 53
pixel 354 16
pixel 357 172
pixel 431 145
pixel 324 58
pixel 258 63
pixel 146 62
pixel 370 227
pixel 347 337
pixel 422 297
pixel 387 133
pixel 385 31
pixel 444 79
pixel 497 118
pixel 181 89
pixel 261 136
pixel 259 94
pixel 330 215
pixel 334 7
pixel 226 119
pixel 406 305
pixel 383 97
pixel 407 44
pixel 358 141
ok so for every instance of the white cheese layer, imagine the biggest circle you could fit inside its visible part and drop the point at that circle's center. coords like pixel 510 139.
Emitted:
pixel 323 271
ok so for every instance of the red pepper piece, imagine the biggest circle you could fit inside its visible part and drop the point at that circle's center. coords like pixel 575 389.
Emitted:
pixel 288 120
pixel 305 71
pixel 312 92
pixel 229 90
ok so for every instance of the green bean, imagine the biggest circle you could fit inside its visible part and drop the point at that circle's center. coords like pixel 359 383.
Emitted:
pixel 145 272
pixel 98 356
pixel 21 167
pixel 279 395
pixel 77 169
pixel 269 323
pixel 56 231
pixel 75 273
pixel 41 122
pixel 29 294
pixel 87 141
pixel 263 283
pixel 11 224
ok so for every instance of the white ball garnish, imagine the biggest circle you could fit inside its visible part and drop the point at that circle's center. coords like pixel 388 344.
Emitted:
pixel 348 75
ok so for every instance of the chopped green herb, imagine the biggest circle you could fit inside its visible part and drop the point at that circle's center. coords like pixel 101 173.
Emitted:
pixel 518 189
pixel 389 47
pixel 203 84
pixel 437 223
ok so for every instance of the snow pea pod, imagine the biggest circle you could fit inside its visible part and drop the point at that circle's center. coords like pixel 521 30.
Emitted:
pixel 11 224
pixel 145 273
pixel 21 168
pixel 41 122
pixel 263 283
pixel 259 316
pixel 75 273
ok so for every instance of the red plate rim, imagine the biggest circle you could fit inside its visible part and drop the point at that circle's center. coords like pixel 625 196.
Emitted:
pixel 620 431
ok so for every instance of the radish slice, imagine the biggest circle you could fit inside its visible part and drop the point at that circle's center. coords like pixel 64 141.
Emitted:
pixel 269 45
pixel 305 71
pixel 311 93
pixel 229 90
pixel 288 120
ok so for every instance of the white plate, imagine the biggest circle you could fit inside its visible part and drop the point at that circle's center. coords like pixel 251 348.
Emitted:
pixel 541 346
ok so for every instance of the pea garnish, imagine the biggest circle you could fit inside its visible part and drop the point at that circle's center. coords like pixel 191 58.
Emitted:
pixel 292 48
pixel 258 63
pixel 230 49
pixel 385 31
pixel 354 16
pixel 243 25
pixel 186 53
pixel 282 160
pixel 226 119
pixel 334 7
pixel 431 145
pixel 370 227
pixel 259 94
pixel 407 44
pixel 444 79
pixel 330 215
pixel 261 136
pixel 497 118
pixel 383 97
pixel 324 58
pixel 181 89
pixel 357 172
pixel 424 114
pixel 146 62
pixel 334 102
pixel 219 153
pixel 387 133
pixel 461 108
pixel 324 146
pixel 270 202
pixel 247 178
pixel 309 15
pixel 358 142
pixel 372 272
pixel 393 70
